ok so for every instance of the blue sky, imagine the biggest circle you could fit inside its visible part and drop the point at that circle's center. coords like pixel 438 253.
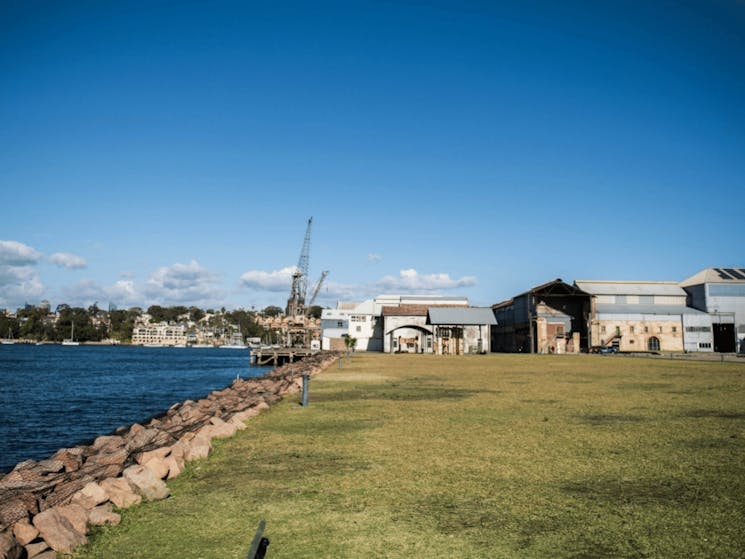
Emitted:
pixel 171 152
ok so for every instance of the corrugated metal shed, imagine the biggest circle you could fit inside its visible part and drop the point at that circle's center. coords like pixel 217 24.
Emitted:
pixel 631 287
pixel 454 316
pixel 646 309
pixel 716 275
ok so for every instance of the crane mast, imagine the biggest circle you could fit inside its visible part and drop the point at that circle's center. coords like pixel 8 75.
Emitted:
pixel 299 289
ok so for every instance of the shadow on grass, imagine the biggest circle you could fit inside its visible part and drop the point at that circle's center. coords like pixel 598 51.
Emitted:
pixel 636 492
pixel 718 414
pixel 397 392
pixel 318 427
pixel 609 418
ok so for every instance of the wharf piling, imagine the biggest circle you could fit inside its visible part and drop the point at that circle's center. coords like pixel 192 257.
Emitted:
pixel 279 356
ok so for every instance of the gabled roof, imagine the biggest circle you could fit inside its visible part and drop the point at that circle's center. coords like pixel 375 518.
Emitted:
pixel 414 310
pixel 599 287
pixel 716 275
pixel 460 316
pixel 553 287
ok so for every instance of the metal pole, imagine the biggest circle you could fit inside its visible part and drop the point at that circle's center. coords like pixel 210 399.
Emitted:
pixel 305 390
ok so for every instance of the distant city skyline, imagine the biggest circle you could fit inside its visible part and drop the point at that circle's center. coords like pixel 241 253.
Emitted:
pixel 171 152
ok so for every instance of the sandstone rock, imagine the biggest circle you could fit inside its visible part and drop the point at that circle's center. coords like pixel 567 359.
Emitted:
pixel 107 443
pixel 148 438
pixel 76 515
pixel 118 456
pixel 103 514
pixel 175 466
pixel 158 466
pixel 63 492
pixel 14 509
pixel 45 555
pixel 57 531
pixel 36 549
pixel 71 458
pixel 90 496
pixel 96 472
pixel 120 492
pixel 51 466
pixel 9 547
pixel 24 532
pixel 196 448
pixel 218 429
pixel 144 482
pixel 237 423
pixel 145 457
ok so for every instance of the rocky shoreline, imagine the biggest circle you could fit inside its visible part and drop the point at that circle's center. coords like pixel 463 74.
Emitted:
pixel 47 506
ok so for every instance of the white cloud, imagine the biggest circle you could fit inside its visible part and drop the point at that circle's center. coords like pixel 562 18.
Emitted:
pixel 19 280
pixel 277 280
pixel 183 284
pixel 67 260
pixel 13 253
pixel 411 280
pixel 374 258
pixel 86 292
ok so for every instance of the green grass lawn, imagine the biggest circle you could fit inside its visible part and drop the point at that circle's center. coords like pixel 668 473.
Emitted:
pixel 474 456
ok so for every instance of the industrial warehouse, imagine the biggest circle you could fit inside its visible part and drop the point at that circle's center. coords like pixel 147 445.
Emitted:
pixel 704 313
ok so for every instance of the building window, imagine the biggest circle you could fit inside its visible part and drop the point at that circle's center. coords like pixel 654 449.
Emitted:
pixel 698 329
pixel 602 329
pixel 359 328
pixel 618 330
pixel 653 344
pixel 704 345
pixel 659 329
pixel 675 329
pixel 631 329
pixel 340 324
pixel 646 329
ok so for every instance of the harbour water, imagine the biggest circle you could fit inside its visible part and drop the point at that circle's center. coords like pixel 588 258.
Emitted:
pixel 54 396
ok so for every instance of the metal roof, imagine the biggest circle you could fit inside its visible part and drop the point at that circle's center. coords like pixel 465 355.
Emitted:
pixel 607 308
pixel 716 275
pixel 460 316
pixel 631 287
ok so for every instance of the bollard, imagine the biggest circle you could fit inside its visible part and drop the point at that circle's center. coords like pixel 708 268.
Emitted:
pixel 305 390
pixel 340 360
pixel 259 543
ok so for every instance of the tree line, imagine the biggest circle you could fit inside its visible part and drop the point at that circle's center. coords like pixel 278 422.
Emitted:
pixel 93 324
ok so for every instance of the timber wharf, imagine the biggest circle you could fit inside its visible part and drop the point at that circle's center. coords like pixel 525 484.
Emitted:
pixel 280 355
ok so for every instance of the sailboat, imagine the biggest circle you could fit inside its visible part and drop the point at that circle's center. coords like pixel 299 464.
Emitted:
pixel 9 340
pixel 71 339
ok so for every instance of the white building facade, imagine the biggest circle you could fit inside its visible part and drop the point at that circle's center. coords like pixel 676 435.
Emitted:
pixel 645 316
pixel 720 292
pixel 365 322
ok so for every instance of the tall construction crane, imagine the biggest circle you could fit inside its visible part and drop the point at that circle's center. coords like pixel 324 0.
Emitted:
pixel 316 289
pixel 299 289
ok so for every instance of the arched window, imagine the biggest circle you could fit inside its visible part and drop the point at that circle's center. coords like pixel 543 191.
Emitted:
pixel 653 344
